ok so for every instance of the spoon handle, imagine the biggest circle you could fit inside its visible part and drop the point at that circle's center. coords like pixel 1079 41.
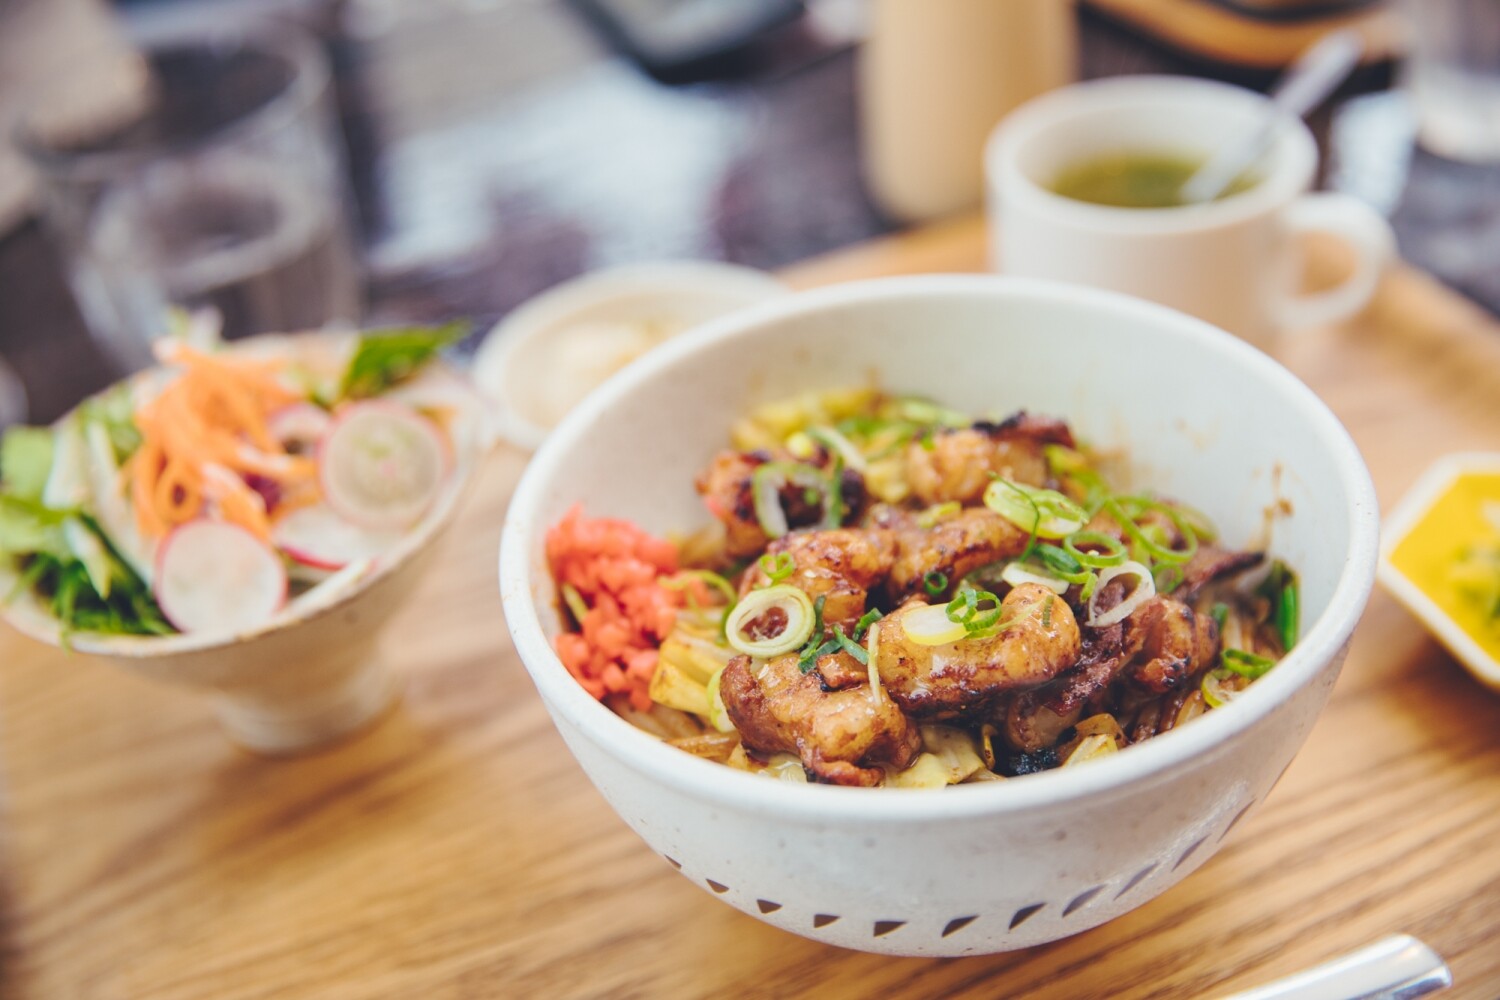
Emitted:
pixel 1395 968
pixel 1316 74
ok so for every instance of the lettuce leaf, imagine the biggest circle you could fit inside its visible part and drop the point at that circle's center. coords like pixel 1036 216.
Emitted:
pixel 25 461
pixel 386 357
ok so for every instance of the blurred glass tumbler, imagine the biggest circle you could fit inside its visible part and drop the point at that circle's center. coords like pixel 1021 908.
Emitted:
pixel 1453 74
pixel 225 192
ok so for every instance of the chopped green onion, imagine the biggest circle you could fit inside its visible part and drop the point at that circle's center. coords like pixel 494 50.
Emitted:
pixel 1247 665
pixel 1047 613
pixel 1154 546
pixel 1045 513
pixel 793 603
pixel 809 654
pixel 930 625
pixel 574 600
pixel 924 411
pixel 1113 554
pixel 1144 590
pixel 851 647
pixel 938 512
pixel 1168 577
pixel 682 578
pixel 935 583
pixel 865 621
pixel 1216 690
pixel 1280 588
pixel 838 445
pixel 1220 614
pixel 1058 560
pixel 1288 616
pixel 769 479
pixel 718 715
pixel 833 510
pixel 1017 573
pixel 779 566
pixel 964 610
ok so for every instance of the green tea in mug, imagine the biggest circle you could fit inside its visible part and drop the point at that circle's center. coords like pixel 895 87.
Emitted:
pixel 1136 179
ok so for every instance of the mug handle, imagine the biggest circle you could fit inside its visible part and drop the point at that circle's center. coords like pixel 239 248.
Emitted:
pixel 1366 232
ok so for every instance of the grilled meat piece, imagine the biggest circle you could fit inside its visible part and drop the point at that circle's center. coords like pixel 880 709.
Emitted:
pixel 966 677
pixel 840 565
pixel 1212 563
pixel 727 488
pixel 955 547
pixel 957 464
pixel 841 736
pixel 1168 643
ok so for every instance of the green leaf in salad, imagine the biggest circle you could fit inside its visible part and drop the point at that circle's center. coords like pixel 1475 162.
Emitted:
pixel 27 527
pixel 114 410
pixel 387 357
pixel 64 587
pixel 25 461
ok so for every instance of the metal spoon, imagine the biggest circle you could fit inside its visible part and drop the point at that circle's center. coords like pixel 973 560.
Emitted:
pixel 1306 84
pixel 1395 968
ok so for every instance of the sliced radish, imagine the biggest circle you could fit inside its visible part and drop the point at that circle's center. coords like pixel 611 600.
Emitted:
pixel 317 536
pixel 382 464
pixel 215 576
pixel 300 426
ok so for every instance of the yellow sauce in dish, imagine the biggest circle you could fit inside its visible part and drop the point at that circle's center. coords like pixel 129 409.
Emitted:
pixel 1435 546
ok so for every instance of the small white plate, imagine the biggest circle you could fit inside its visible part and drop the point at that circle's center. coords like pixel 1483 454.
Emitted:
pixel 1433 485
pixel 544 356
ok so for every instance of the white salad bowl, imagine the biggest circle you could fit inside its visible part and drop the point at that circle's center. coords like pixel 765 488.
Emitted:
pixel 998 865
pixel 312 674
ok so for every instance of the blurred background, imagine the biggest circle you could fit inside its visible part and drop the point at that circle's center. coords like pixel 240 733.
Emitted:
pixel 414 160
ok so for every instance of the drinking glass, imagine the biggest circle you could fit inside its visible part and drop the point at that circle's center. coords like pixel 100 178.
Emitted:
pixel 225 191
pixel 1453 73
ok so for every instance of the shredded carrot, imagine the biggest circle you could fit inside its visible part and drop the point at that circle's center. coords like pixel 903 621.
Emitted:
pixel 616 568
pixel 206 431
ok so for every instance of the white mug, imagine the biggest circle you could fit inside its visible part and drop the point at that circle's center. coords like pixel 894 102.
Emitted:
pixel 1233 262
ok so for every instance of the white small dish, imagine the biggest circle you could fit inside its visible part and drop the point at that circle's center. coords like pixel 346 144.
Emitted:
pixel 544 357
pixel 1432 488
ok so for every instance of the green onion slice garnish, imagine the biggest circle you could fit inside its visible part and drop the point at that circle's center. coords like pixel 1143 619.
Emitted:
pixel 838 445
pixel 935 583
pixel 1045 513
pixel 809 654
pixel 1247 665
pixel 851 647
pixel 1017 573
pixel 1216 690
pixel 1125 510
pixel 965 610
pixel 793 603
pixel 1112 554
pixel 778 567
pixel 865 621
pixel 767 482
pixel 574 600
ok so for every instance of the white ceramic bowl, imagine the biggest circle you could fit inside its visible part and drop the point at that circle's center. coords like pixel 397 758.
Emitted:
pixel 312 674
pixel 1001 865
pixel 517 365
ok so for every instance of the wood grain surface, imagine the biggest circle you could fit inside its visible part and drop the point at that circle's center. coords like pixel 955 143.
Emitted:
pixel 455 850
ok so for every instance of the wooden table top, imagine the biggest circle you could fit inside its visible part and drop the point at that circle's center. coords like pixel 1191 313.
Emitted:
pixel 457 850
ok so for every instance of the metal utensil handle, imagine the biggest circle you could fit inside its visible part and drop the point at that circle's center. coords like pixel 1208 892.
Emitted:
pixel 1395 968
pixel 1316 74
